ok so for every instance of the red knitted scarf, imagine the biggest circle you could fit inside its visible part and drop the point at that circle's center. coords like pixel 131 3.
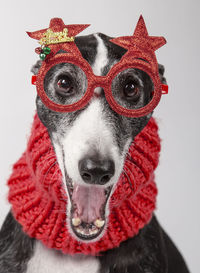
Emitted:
pixel 39 201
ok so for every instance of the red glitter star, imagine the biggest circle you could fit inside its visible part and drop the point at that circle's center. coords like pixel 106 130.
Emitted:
pixel 57 25
pixel 140 39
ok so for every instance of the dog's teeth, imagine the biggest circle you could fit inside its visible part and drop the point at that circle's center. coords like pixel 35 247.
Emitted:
pixel 79 230
pixel 93 231
pixel 76 222
pixel 99 223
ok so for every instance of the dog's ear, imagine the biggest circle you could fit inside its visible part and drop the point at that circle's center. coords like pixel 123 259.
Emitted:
pixel 161 70
pixel 35 68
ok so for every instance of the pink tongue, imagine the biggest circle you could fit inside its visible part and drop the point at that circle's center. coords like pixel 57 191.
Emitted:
pixel 89 201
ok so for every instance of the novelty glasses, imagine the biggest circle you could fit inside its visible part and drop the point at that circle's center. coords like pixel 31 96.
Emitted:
pixel 59 49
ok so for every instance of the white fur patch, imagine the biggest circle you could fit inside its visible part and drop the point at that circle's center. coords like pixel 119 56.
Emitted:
pixel 47 260
pixel 90 132
pixel 101 59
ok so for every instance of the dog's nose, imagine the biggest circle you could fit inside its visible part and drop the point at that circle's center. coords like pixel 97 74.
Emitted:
pixel 96 171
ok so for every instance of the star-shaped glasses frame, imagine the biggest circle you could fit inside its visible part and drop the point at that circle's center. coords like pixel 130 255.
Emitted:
pixel 140 55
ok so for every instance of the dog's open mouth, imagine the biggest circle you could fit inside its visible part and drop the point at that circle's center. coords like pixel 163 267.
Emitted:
pixel 87 214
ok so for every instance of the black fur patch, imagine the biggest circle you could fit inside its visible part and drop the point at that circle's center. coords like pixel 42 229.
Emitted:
pixel 151 251
pixel 16 248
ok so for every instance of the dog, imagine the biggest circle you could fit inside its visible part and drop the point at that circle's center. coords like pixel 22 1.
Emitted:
pixel 99 137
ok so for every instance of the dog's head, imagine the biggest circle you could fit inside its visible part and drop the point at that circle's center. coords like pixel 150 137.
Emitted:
pixel 91 144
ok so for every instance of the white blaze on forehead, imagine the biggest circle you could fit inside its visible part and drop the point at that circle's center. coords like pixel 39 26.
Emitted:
pixel 101 59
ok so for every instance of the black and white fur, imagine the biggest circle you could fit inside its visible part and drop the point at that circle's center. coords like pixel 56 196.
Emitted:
pixel 98 132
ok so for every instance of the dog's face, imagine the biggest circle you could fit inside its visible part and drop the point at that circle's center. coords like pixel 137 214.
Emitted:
pixel 91 143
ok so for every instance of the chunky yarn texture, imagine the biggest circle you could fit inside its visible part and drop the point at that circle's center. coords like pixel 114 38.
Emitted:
pixel 39 202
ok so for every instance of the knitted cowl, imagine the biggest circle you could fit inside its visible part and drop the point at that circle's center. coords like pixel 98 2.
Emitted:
pixel 39 202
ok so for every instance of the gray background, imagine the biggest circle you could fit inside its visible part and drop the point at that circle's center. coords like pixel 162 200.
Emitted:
pixel 177 114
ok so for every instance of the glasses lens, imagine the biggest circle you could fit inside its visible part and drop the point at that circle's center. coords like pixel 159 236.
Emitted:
pixel 132 88
pixel 65 83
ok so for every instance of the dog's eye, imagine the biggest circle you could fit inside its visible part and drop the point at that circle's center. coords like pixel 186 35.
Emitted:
pixel 131 90
pixel 64 86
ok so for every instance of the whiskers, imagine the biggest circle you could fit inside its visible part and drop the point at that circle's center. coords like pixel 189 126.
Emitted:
pixel 128 178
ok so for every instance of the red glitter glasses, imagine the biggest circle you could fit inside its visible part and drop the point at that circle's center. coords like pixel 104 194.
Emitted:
pixel 140 56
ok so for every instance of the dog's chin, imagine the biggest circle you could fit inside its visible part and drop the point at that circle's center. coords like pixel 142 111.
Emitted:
pixel 87 210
